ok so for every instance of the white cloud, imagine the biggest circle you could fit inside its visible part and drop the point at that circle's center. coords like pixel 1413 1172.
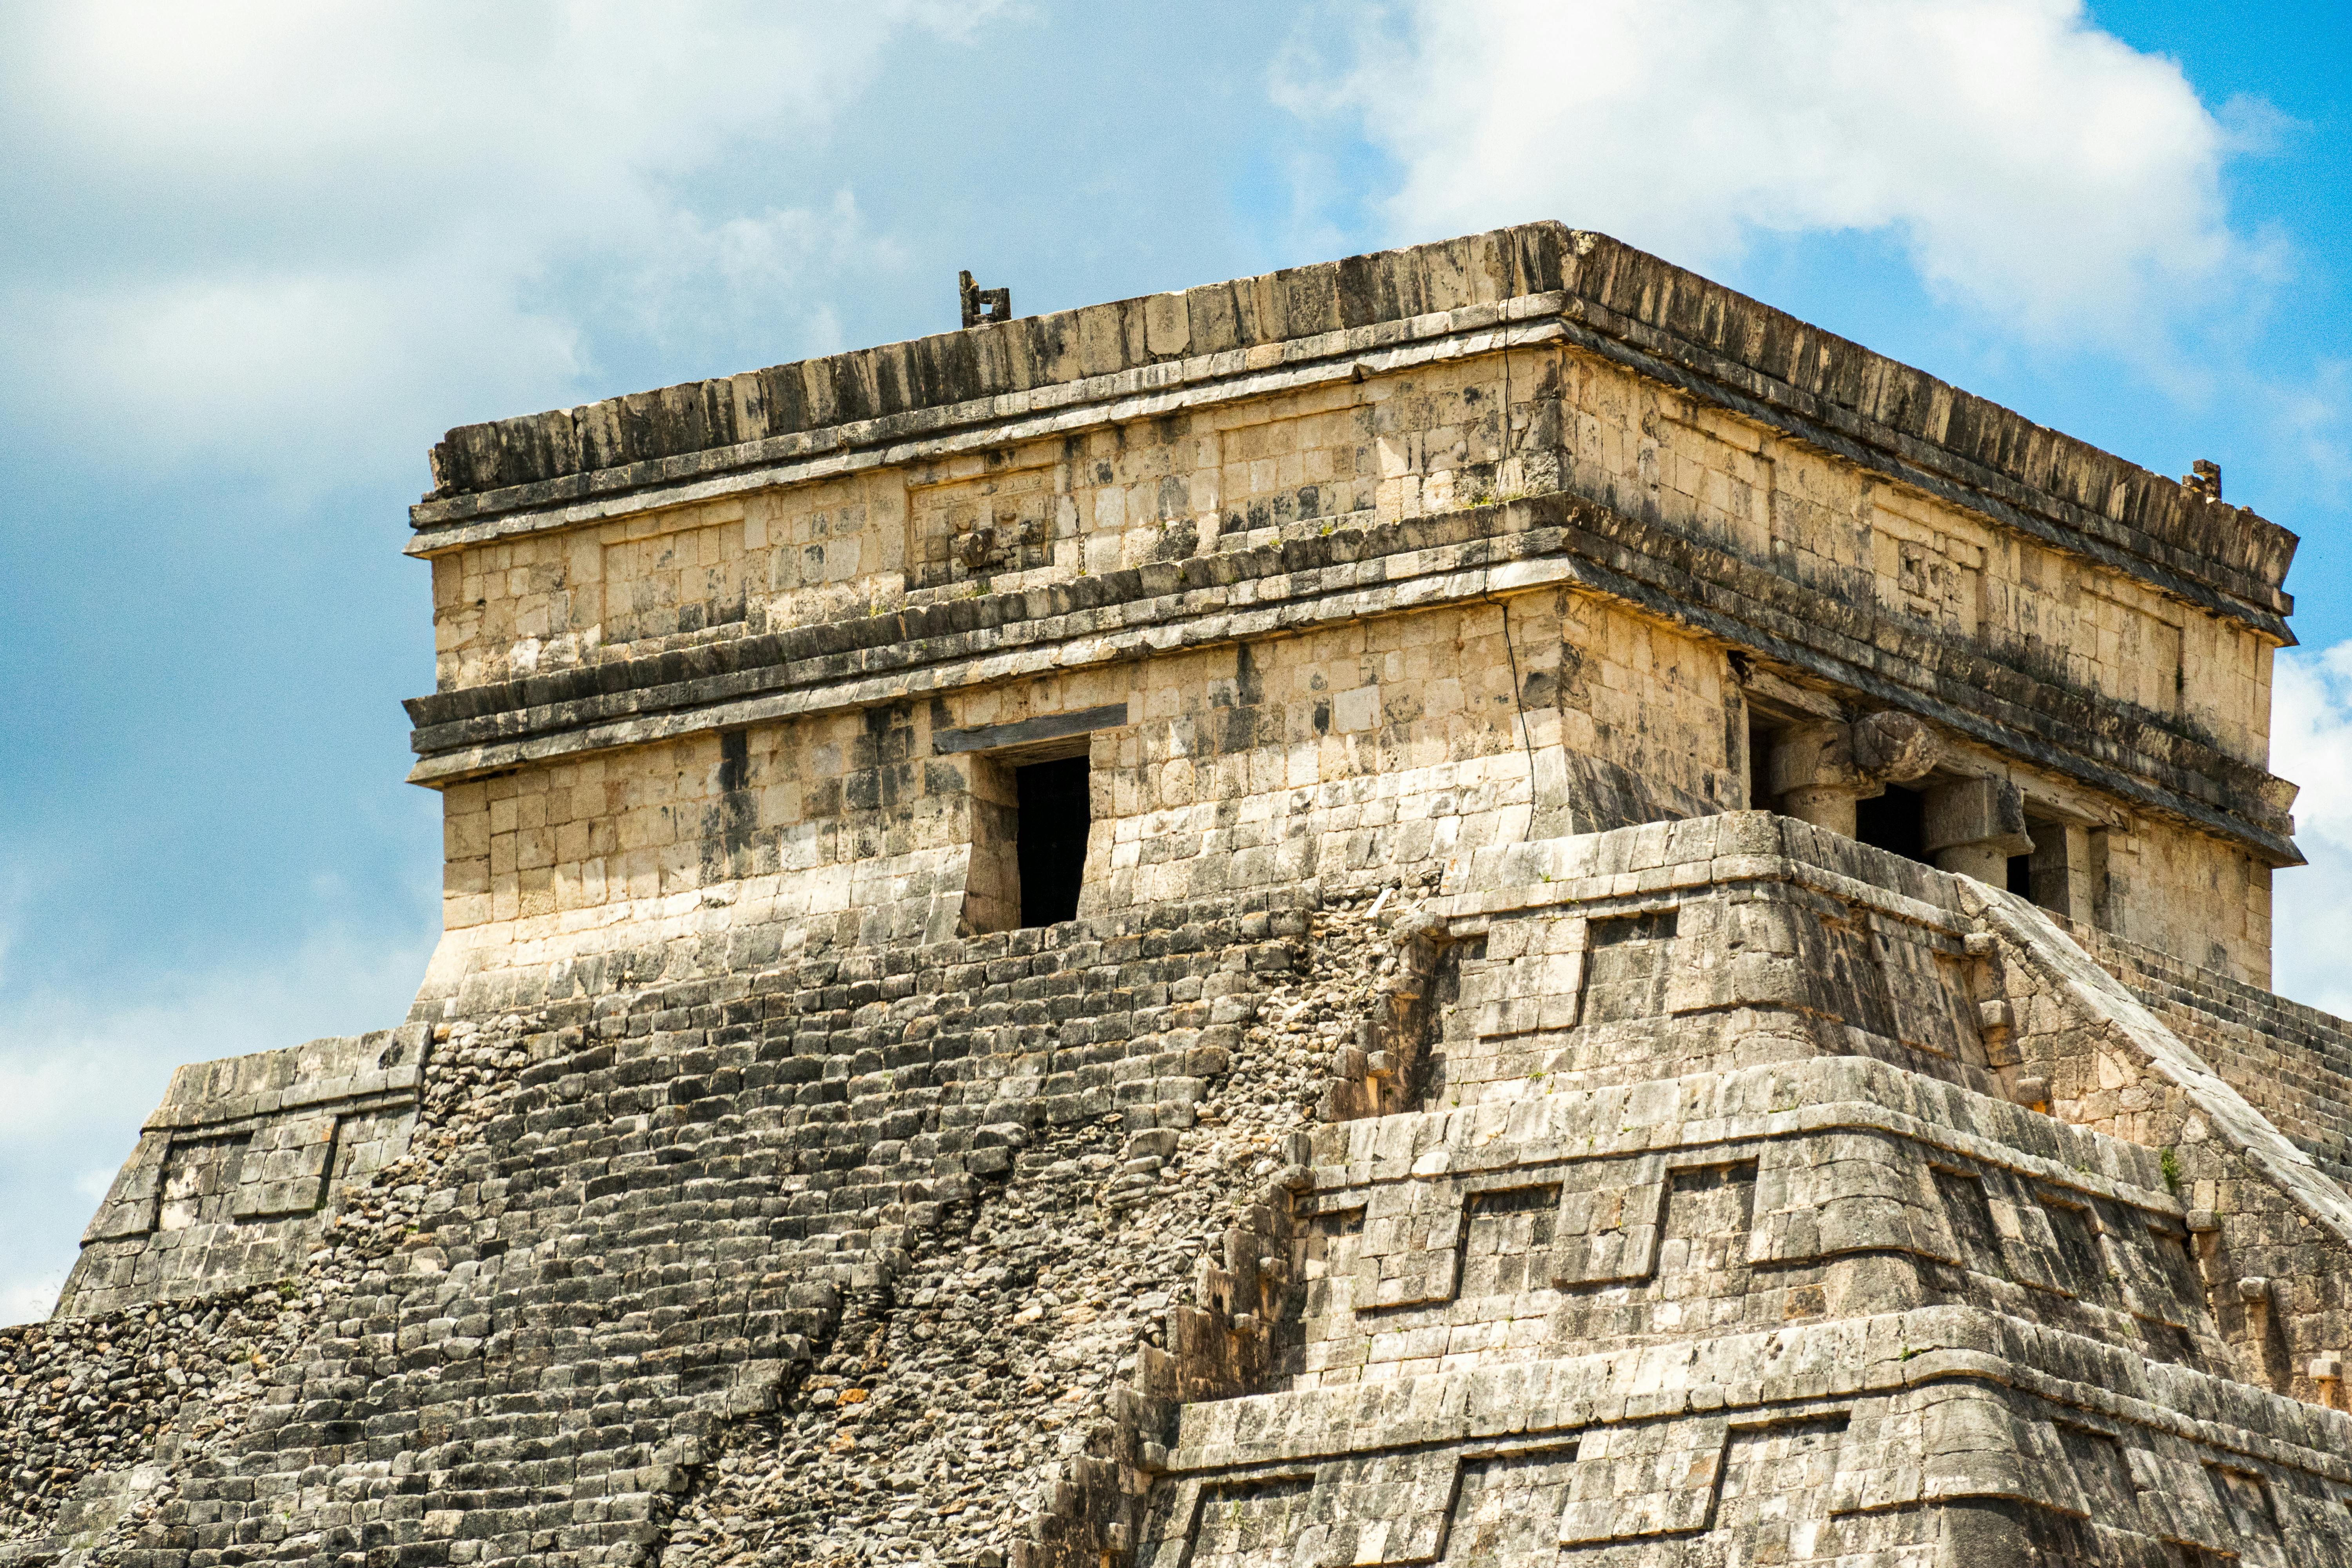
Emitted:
pixel 80 1068
pixel 482 110
pixel 421 180
pixel 2311 743
pixel 2038 170
pixel 294 366
pixel 698 278
pixel 26 1300
pixel 15 895
pixel 2315 422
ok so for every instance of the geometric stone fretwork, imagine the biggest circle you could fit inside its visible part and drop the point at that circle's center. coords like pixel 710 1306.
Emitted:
pixel 1657 1478
pixel 1248 1524
pixel 1508 1509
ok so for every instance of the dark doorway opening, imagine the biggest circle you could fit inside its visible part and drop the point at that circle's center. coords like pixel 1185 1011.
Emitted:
pixel 1759 770
pixel 1896 821
pixel 1055 812
pixel 2047 873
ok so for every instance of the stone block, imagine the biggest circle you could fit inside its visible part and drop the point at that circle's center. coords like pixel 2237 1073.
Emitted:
pixel 1987 813
pixel 1656 1478
pixel 1846 1192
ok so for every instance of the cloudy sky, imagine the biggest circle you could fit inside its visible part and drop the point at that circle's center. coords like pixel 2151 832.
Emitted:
pixel 259 256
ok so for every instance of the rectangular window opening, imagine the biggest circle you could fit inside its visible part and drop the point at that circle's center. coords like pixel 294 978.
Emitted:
pixel 2030 875
pixel 1030 817
pixel 1054 811
pixel 1760 757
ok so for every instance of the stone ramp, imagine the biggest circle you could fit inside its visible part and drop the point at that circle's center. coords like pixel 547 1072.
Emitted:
pixel 2226 1113
pixel 2292 1062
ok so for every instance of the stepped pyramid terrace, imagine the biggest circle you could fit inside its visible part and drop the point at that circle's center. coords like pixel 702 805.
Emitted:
pixel 1484 904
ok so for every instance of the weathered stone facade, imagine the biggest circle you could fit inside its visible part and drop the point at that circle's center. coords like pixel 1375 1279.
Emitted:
pixel 1481 904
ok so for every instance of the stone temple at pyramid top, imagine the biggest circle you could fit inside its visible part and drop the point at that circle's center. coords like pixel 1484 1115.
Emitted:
pixel 1251 550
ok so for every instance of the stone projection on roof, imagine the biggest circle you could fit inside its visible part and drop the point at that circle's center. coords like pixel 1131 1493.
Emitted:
pixel 1482 904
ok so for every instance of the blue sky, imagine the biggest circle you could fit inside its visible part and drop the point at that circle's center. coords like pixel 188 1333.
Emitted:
pixel 261 255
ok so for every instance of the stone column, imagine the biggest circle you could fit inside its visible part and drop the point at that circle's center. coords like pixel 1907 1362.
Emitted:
pixel 1973 826
pixel 1817 772
pixel 1810 776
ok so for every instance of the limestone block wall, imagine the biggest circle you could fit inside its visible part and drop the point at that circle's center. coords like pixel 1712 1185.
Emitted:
pixel 1825 1308
pixel 1864 1439
pixel 1387 746
pixel 2052 1030
pixel 1619 304
pixel 1241 474
pixel 1751 975
pixel 1369 750
pixel 237 1171
pixel 1619 704
pixel 703 558
pixel 1571 1222
pixel 841 816
pixel 1927 567
pixel 1343 751
pixel 1234 476
pixel 2182 894
pixel 667 580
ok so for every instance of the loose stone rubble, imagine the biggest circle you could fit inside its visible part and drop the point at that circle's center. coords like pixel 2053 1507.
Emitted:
pixel 1484 904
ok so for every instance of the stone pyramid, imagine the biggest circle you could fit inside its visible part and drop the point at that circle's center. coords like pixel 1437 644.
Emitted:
pixel 1484 904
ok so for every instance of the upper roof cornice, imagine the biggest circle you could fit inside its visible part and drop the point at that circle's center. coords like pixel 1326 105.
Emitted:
pixel 1660 319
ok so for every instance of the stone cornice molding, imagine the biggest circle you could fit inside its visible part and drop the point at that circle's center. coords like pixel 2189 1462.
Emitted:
pixel 1526 545
pixel 1131 358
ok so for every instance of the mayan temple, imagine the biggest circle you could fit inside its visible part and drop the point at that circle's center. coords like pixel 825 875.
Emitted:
pixel 1484 904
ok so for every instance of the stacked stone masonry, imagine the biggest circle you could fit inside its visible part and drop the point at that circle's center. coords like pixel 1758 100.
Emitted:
pixel 1668 966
